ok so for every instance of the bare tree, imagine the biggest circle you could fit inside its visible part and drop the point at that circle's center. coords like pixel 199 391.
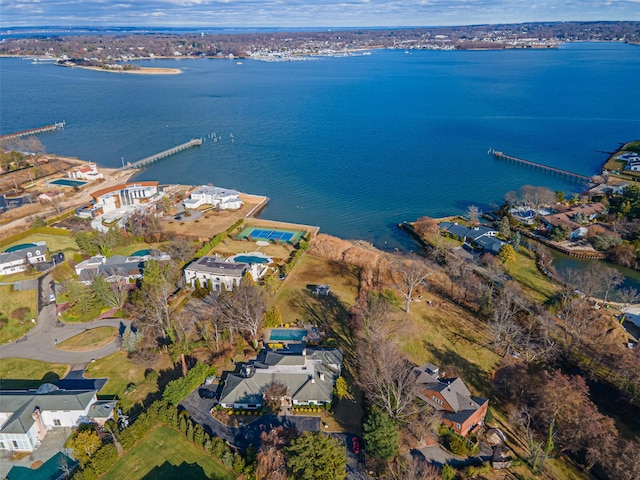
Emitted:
pixel 388 379
pixel 244 306
pixel 408 272
pixel 273 395
pixel 271 459
pixel 628 296
pixel 412 468
pixel 473 213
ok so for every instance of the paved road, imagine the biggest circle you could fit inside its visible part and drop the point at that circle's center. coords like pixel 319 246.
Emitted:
pixel 242 437
pixel 40 342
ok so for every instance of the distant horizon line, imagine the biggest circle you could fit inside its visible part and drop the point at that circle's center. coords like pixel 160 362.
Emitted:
pixel 272 27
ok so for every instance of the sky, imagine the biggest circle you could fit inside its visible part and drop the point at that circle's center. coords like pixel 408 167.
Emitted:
pixel 306 13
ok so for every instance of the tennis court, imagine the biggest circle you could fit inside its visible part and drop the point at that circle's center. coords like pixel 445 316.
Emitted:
pixel 270 235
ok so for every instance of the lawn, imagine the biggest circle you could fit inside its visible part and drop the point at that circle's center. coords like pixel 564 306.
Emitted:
pixel 167 454
pixel 91 339
pixel 230 247
pixel 19 306
pixel 55 243
pixel 129 249
pixel 23 373
pixel 525 271
pixel 122 371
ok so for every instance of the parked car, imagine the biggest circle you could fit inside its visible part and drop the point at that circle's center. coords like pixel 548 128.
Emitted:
pixel 206 393
pixel 52 298
pixel 355 445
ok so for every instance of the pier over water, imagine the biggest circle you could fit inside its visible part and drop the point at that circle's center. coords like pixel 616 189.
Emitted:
pixel 34 131
pixel 165 153
pixel 558 171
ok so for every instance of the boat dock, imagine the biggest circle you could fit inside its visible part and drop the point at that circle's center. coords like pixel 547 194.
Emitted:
pixel 558 171
pixel 34 131
pixel 158 156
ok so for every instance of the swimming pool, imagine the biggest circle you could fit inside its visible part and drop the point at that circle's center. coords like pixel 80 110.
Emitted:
pixel 67 182
pixel 250 259
pixel 288 334
pixel 141 253
pixel 22 246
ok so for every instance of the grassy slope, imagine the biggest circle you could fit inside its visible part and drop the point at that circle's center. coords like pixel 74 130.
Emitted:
pixel 166 454
pixel 55 243
pixel 92 339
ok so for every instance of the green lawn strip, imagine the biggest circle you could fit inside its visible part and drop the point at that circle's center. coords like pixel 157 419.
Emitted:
pixel 23 373
pixel 91 339
pixel 525 272
pixel 55 243
pixel 166 454
pixel 19 307
pixel 122 371
pixel 89 316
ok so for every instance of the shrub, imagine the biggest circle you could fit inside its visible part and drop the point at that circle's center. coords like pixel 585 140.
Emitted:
pixel 448 472
pixel 178 389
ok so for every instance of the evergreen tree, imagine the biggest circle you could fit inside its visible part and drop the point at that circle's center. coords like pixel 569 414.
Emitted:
pixel 316 456
pixel 381 435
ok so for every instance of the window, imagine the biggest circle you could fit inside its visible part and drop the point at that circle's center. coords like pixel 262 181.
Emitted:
pixel 15 444
pixel 458 426
pixel 57 422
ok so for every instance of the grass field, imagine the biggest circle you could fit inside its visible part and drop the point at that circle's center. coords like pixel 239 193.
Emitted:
pixel 525 271
pixel 129 249
pixel 19 306
pixel 166 454
pixel 122 371
pixel 92 339
pixel 55 243
pixel 23 373
pixel 229 247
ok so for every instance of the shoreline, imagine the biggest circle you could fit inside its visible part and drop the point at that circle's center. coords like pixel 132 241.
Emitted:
pixel 137 71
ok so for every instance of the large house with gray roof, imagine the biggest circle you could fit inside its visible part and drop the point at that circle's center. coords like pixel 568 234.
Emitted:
pixel 480 237
pixel 27 415
pixel 309 375
pixel 117 268
pixel 215 272
pixel 459 410
pixel 20 259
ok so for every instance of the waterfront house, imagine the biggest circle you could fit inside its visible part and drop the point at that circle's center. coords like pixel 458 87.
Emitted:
pixel 309 375
pixel 27 415
pixel 20 259
pixel 214 273
pixel 86 172
pixel 480 237
pixel 574 217
pixel 117 196
pixel 222 198
pixel 459 410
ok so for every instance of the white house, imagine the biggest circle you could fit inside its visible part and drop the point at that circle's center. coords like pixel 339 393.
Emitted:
pixel 117 268
pixel 222 198
pixel 309 375
pixel 86 172
pixel 113 198
pixel 214 272
pixel 27 415
pixel 21 259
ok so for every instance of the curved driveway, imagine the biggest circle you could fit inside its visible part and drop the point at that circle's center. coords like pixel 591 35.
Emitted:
pixel 40 342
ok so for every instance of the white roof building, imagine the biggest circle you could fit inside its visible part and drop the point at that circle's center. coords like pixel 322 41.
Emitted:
pixel 222 198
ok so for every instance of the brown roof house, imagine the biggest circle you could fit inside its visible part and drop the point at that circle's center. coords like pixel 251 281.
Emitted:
pixel 459 410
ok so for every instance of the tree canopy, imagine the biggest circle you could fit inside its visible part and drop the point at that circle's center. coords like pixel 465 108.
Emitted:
pixel 317 456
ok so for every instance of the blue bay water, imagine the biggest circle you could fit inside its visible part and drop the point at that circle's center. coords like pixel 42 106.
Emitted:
pixel 355 144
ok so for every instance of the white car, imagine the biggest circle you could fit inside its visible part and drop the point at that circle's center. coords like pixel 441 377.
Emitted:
pixel 52 298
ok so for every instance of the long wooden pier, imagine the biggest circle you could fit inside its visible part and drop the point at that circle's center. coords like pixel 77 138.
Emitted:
pixel 34 131
pixel 558 171
pixel 158 156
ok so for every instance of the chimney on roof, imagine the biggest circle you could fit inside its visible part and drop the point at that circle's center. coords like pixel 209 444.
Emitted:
pixel 322 376
pixel 313 379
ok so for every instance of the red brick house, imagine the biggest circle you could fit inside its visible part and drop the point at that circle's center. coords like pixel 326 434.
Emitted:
pixel 459 410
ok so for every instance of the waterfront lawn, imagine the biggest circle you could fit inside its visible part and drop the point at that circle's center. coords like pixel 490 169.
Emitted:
pixel 17 308
pixel 228 247
pixel 166 454
pixel 92 339
pixel 122 371
pixel 24 373
pixel 632 146
pixel 525 271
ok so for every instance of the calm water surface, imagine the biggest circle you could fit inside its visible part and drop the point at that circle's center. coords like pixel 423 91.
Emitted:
pixel 354 145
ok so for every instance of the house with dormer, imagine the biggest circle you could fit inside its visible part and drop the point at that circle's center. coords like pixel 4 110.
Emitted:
pixel 22 257
pixel 480 237
pixel 459 409
pixel 309 375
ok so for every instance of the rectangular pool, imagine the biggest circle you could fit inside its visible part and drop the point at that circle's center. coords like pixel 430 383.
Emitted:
pixel 288 334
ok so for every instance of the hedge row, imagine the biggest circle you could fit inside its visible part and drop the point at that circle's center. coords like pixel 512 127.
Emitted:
pixel 176 390
pixel 217 239
pixel 45 230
